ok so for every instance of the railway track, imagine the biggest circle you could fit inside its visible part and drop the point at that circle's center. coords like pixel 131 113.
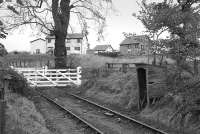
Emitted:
pixel 92 127
pixel 157 131
pixel 100 131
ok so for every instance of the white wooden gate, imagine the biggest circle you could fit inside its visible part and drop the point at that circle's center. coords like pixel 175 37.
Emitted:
pixel 42 77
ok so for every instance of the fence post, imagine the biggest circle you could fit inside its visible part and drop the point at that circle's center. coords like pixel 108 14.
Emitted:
pixel 3 90
pixel 79 70
pixel 45 68
pixel 35 71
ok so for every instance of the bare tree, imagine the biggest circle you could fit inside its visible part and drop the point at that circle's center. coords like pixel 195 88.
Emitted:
pixel 2 32
pixel 53 17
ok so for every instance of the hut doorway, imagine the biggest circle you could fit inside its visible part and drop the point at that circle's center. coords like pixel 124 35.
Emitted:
pixel 142 84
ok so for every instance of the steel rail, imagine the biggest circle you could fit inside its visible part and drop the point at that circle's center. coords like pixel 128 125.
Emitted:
pixel 70 112
pixel 120 114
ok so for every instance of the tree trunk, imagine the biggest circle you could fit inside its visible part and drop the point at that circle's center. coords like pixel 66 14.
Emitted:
pixel 61 16
pixel 154 59
pixel 60 50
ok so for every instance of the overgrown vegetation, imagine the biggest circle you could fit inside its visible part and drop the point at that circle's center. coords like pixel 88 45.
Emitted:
pixel 22 116
pixel 180 19
pixel 118 89
pixel 24 59
pixel 109 54
pixel 17 83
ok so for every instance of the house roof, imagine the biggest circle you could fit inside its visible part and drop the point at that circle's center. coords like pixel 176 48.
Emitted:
pixel 134 39
pixel 69 36
pixel 37 40
pixel 102 47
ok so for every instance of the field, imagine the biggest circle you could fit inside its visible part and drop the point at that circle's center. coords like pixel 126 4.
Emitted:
pixel 85 61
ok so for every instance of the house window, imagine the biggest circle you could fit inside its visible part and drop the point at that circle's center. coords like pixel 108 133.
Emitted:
pixel 77 48
pixel 37 51
pixel 50 50
pixel 78 40
pixel 129 46
pixel 49 40
pixel 142 46
pixel 68 40
pixel 129 51
pixel 136 45
pixel 67 48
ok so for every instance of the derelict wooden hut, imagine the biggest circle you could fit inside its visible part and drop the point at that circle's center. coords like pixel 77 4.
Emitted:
pixel 151 83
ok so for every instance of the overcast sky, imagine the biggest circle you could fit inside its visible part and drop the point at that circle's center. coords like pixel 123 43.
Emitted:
pixel 119 22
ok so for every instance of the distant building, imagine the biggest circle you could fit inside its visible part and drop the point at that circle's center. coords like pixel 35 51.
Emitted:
pixel 103 48
pixel 135 45
pixel 75 44
pixel 90 51
pixel 38 46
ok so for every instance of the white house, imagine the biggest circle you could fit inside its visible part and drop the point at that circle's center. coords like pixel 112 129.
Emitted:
pixel 103 48
pixel 38 46
pixel 75 44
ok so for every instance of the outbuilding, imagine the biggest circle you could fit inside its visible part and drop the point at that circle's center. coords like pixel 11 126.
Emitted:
pixel 135 45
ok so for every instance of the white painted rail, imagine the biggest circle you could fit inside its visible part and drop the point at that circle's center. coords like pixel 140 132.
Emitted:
pixel 42 77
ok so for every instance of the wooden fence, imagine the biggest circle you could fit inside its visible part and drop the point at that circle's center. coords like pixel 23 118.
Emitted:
pixel 42 77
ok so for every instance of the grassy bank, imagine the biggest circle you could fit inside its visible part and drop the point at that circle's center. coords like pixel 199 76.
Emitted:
pixel 178 108
pixel 22 116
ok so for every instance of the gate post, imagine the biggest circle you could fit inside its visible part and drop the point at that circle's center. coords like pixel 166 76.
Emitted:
pixel 78 73
pixel 45 68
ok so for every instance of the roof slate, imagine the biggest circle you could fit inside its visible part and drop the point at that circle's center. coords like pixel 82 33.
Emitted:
pixel 134 39
pixel 37 39
pixel 69 36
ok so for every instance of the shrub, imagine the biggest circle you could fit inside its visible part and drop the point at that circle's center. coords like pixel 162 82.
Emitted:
pixel 109 54
pixel 17 83
pixel 28 60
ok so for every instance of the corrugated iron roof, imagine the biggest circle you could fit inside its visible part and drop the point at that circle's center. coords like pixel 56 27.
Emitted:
pixel 134 39
pixel 101 47
pixel 69 36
